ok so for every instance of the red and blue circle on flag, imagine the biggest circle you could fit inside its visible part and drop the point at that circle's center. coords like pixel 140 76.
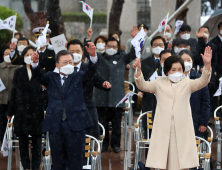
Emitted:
pixel 87 7
pixel 163 23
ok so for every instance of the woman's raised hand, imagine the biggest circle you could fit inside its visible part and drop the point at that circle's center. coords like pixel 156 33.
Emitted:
pixel 137 66
pixel 207 57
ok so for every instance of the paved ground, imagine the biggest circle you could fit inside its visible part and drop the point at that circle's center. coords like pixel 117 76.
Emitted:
pixel 111 160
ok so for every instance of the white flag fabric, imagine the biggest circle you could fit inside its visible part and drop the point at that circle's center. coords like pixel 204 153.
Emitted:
pixel 2 86
pixel 138 41
pixel 42 37
pixel 154 76
pixel 218 92
pixel 163 23
pixel 178 25
pixel 8 23
pixel 4 148
pixel 87 9
pixel 125 98
pixel 58 43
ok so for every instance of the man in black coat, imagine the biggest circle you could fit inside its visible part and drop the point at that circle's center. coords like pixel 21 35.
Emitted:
pixel 67 116
pixel 46 56
pixel 112 65
pixel 218 42
pixel 76 48
pixel 203 36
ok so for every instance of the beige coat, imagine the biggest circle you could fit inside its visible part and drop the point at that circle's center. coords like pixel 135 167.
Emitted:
pixel 6 75
pixel 176 100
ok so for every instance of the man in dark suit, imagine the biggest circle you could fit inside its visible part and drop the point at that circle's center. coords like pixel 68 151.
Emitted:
pixel 203 37
pixel 67 116
pixel 76 48
pixel 218 42
pixel 46 56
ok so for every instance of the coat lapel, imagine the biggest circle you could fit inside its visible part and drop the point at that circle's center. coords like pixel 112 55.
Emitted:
pixel 57 80
pixel 68 81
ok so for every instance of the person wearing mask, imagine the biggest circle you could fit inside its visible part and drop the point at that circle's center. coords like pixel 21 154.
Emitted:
pixel 148 67
pixel 67 116
pixel 112 67
pixel 16 50
pixel 199 100
pixel 173 144
pixel 182 45
pixel 76 48
pixel 217 41
pixel 203 41
pixel 7 70
pixel 168 36
pixel 27 104
pixel 117 35
pixel 99 41
pixel 145 53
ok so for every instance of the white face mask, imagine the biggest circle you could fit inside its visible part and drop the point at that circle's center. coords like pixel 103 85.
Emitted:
pixel 21 48
pixel 14 40
pixel 176 50
pixel 28 60
pixel 180 49
pixel 221 32
pixel 175 77
pixel 100 46
pixel 7 59
pixel 157 50
pixel 185 36
pixel 188 66
pixel 206 35
pixel 111 51
pixel 168 35
pixel 67 69
pixel 77 57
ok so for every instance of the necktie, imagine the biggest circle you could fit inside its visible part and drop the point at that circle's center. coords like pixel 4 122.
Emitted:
pixel 63 88
pixel 157 60
pixel 75 69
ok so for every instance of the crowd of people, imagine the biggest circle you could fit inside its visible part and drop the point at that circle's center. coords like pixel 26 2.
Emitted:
pixel 82 85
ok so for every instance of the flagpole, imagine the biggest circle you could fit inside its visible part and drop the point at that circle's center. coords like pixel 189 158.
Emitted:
pixel 140 56
pixel 91 18
pixel 166 24
pixel 14 27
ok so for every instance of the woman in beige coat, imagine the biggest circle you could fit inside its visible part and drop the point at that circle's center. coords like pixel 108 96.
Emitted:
pixel 173 144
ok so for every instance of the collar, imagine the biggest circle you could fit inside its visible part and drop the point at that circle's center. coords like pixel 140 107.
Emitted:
pixel 171 40
pixel 79 65
pixel 188 75
pixel 156 58
pixel 63 76
pixel 220 37
pixel 42 50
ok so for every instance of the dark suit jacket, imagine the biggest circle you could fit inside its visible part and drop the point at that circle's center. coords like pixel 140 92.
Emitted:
pixel 71 99
pixel 97 81
pixel 46 60
pixel 27 103
pixel 202 45
pixel 148 67
pixel 200 105
pixel 216 41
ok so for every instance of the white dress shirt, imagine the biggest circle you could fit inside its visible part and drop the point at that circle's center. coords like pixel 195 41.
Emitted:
pixel 188 75
pixel 62 81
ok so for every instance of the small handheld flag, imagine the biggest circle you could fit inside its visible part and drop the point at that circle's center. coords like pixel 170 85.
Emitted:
pixel 137 43
pixel 126 97
pixel 154 76
pixel 178 25
pixel 219 92
pixel 163 24
pixel 42 37
pixel 8 23
pixel 88 10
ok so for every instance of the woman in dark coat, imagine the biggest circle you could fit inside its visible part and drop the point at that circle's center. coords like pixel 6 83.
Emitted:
pixel 27 104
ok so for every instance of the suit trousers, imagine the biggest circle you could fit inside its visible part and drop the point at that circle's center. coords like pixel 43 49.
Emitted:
pixel 94 130
pixel 36 151
pixel 173 159
pixel 3 120
pixel 67 148
pixel 114 115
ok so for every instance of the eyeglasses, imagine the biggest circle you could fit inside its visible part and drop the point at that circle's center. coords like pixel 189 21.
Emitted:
pixel 110 46
pixel 22 43
pixel 160 45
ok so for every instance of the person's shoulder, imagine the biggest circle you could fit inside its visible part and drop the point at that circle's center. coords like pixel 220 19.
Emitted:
pixel 129 41
pixel 215 39
pixel 52 52
pixel 194 74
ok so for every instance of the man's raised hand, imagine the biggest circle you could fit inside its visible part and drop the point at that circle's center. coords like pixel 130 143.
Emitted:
pixel 91 49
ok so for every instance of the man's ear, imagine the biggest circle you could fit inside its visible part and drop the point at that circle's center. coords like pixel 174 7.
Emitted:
pixel 57 65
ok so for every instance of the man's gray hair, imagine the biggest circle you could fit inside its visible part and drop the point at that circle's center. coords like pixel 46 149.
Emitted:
pixel 61 53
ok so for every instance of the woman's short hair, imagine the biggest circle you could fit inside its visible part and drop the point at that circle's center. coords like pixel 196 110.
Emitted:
pixel 170 61
pixel 188 52
pixel 26 50
pixel 100 36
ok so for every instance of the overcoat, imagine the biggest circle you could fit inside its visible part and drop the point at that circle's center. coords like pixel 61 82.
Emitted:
pixel 174 101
